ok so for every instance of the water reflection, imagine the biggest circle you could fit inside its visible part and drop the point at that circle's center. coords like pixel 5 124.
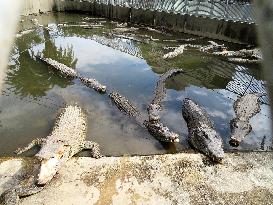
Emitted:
pixel 28 77
pixel 114 62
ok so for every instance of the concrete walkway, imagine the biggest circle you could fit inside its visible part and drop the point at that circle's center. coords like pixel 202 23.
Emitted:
pixel 243 178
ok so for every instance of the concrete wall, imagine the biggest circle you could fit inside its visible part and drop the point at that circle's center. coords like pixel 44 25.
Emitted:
pixel 36 6
pixel 238 32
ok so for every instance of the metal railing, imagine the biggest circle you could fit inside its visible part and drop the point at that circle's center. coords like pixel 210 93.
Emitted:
pixel 229 10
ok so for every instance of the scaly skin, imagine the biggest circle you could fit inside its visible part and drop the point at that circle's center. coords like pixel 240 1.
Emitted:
pixel 154 125
pixel 243 55
pixel 27 187
pixel 66 140
pixel 92 83
pixel 71 73
pixel 63 69
pixel 245 108
pixel 202 135
pixel 158 130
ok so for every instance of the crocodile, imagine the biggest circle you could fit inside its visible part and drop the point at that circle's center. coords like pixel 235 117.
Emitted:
pixel 67 139
pixel 202 135
pixel 63 69
pixel 71 73
pixel 243 55
pixel 154 125
pixel 213 47
pixel 175 53
pixel 245 108
pixel 127 107
pixel 158 130
pixel 92 83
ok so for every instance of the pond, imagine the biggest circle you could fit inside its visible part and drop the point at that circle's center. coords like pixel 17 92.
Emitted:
pixel 33 94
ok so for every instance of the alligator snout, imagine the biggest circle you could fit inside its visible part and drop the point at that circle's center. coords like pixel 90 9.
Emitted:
pixel 239 129
pixel 48 170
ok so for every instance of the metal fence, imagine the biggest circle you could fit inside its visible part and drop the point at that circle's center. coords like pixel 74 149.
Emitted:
pixel 230 10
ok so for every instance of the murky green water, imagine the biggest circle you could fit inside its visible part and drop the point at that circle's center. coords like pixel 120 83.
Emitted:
pixel 33 94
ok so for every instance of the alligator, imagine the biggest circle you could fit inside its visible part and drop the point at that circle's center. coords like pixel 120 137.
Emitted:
pixel 158 130
pixel 174 53
pixel 92 83
pixel 243 55
pixel 153 124
pixel 159 94
pixel 202 135
pixel 66 140
pixel 63 69
pixel 71 73
pixel 124 104
pixel 245 108
pixel 213 47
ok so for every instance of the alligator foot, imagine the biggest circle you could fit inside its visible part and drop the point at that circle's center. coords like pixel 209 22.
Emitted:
pixel 12 196
pixel 35 142
pixel 93 147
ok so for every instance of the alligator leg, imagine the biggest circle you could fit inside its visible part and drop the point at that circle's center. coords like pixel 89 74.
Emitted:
pixel 93 147
pixel 9 197
pixel 34 142
pixel 22 192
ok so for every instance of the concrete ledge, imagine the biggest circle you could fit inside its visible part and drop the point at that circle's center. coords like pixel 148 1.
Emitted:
pixel 243 178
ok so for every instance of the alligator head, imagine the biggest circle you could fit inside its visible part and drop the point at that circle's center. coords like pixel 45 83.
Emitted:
pixel 207 140
pixel 239 129
pixel 51 160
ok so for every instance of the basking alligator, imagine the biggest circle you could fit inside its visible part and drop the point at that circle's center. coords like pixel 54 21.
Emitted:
pixel 69 72
pixel 245 108
pixel 66 140
pixel 158 130
pixel 202 135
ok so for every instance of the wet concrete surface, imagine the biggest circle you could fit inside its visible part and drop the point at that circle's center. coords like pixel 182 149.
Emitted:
pixel 243 178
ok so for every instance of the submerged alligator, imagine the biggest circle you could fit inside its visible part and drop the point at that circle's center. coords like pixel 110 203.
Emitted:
pixel 158 130
pixel 202 135
pixel 69 72
pixel 245 108
pixel 66 140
